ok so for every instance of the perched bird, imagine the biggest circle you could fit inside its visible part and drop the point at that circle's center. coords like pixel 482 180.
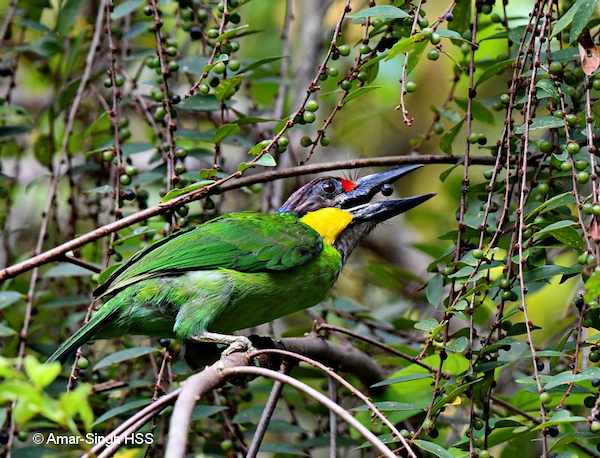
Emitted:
pixel 242 269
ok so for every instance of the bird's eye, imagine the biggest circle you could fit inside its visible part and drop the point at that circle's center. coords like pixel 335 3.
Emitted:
pixel 328 186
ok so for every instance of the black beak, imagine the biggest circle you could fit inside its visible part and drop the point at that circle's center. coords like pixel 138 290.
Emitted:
pixel 358 201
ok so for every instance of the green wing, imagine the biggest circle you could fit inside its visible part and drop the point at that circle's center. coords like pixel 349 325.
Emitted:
pixel 247 242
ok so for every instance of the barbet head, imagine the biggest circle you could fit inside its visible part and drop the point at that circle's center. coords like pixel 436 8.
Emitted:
pixel 341 210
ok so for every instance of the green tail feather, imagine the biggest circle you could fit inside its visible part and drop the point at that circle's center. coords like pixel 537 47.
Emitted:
pixel 83 334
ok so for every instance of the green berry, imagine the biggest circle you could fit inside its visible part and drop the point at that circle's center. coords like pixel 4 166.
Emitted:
pixel 542 188
pixel 556 68
pixel 308 116
pixel 107 82
pixel 488 174
pixel 108 155
pixel 427 31
pixel 234 65
pixel 160 113
pixel 411 86
pixel 478 424
pixel 571 119
pixel 362 76
pixel 545 398
pixel 483 454
pixel 596 209
pixel 324 141
pixel 312 105
pixel 594 356
pixel 478 254
pixel 332 71
pixel 435 38
pixel 583 177
pixel 504 283
pixel 83 363
pixel 204 89
pixel 504 99
pixel 565 166
pixel 433 54
pixel 486 8
pixel 587 208
pixel 364 49
pixel 219 68
pixel 131 170
pixel 595 427
pixel 473 138
pixel 344 50
pixel 125 179
pixel 496 18
pixel 438 128
pixel 283 141
pixel 346 85
pixel 581 165
pixel 596 84
pixel 572 148
pixel 306 141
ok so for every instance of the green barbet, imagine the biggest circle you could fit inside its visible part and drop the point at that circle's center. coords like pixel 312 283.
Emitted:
pixel 242 269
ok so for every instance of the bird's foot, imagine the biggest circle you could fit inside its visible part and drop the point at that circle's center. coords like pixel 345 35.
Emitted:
pixel 240 344
pixel 234 343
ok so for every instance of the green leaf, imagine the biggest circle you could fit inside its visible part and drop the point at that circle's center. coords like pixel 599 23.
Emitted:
pixel 404 378
pixel 459 345
pixel 569 377
pixel 560 200
pixel 281 448
pixel 67 16
pixel 549 87
pixel 121 409
pixel 251 414
pixel 124 355
pixel 358 92
pixel 547 272
pixel 494 70
pixel 381 12
pixel 260 63
pixel 193 64
pixel 8 298
pixel 415 56
pixel 125 8
pixel 66 269
pixel 234 33
pixel 406 45
pixel 592 286
pixel 227 88
pixel 434 289
pixel 225 131
pixel 596 112
pixel 577 16
pixel 266 160
pixel 430 447
pixel 204 411
pixel 5 331
pixel 12 131
pixel 541 123
pixel 448 138
pixel 181 191
pixel 388 406
pixel 200 103
pixel 429 324
pixel 478 110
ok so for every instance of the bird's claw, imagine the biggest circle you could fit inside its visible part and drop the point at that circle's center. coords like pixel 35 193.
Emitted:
pixel 239 344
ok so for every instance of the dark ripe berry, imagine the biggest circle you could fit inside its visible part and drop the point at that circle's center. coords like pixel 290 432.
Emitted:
pixel 235 18
pixel 344 50
pixel 443 355
pixel 129 194
pixel 195 32
pixel 434 433
pixel 148 10
pixel 5 71
pixel 4 438
pixel 175 99
pixel 539 365
pixel 74 384
pixel 596 382
pixel 449 17
pixel 164 343
pixel 387 189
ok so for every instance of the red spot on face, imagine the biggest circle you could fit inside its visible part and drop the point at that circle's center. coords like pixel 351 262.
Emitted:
pixel 348 185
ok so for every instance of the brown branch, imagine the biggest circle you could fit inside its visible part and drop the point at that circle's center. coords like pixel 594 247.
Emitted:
pixel 219 186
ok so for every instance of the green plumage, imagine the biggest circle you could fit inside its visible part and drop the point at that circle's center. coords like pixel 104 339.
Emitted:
pixel 231 273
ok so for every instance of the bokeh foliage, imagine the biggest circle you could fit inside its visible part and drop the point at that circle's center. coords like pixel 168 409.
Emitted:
pixel 488 293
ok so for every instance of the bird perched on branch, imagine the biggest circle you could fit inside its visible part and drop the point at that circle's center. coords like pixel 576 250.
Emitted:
pixel 242 269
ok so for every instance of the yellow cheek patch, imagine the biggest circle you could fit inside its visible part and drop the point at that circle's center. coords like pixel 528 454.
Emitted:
pixel 329 222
